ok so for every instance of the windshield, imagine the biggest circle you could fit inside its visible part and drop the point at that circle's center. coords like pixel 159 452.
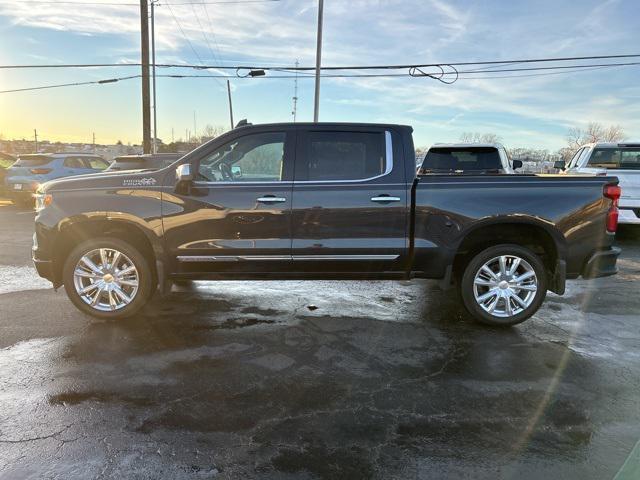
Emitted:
pixel 616 158
pixel 471 159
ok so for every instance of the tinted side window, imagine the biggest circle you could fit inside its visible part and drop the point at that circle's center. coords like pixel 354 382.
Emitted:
pixel 630 159
pixel 253 158
pixel 74 162
pixel 342 156
pixel 605 158
pixel 97 163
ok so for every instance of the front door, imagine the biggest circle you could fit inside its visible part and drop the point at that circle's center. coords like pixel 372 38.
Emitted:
pixel 350 206
pixel 236 217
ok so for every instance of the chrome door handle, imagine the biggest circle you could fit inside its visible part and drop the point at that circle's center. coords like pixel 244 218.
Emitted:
pixel 385 198
pixel 271 199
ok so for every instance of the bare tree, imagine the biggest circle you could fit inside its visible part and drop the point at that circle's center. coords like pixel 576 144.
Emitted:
pixel 594 132
pixel 476 137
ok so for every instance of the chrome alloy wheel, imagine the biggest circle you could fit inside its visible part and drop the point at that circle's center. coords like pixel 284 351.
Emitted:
pixel 505 286
pixel 106 279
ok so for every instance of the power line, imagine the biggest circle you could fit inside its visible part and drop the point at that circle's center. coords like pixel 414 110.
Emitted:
pixel 73 84
pixel 302 69
pixel 281 77
pixel 184 35
pixel 206 38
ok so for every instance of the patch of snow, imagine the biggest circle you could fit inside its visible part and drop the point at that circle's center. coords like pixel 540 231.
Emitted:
pixel 18 279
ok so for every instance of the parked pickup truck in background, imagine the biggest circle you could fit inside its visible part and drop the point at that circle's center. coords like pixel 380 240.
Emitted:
pixel 619 159
pixel 322 201
pixel 468 158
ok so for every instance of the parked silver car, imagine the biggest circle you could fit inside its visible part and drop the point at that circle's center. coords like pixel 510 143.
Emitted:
pixel 25 176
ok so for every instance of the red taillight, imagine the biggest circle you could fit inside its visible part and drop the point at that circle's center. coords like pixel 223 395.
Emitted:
pixel 612 220
pixel 40 171
pixel 613 192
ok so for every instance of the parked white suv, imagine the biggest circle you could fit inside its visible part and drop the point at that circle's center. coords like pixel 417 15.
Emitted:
pixel 470 158
pixel 614 159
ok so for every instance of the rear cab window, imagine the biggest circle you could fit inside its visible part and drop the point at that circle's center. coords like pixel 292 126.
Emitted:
pixel 616 158
pixel 33 161
pixel 462 159
pixel 342 156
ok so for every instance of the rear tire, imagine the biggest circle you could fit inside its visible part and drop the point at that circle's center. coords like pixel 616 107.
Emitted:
pixel 504 285
pixel 107 278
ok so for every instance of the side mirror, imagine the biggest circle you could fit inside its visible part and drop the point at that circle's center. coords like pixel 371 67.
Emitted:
pixel 184 174
pixel 236 171
pixel 559 164
pixel 517 164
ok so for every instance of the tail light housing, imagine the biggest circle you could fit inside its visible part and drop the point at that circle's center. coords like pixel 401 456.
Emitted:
pixel 40 171
pixel 612 192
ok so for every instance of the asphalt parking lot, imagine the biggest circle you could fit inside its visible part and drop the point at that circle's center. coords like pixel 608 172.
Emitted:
pixel 316 380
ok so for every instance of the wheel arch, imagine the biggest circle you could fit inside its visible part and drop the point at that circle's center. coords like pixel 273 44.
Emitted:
pixel 75 231
pixel 536 234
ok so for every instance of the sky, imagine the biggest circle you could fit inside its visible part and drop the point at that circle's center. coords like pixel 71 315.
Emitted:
pixel 525 111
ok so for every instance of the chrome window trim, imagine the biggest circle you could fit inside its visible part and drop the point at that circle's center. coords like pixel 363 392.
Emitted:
pixel 388 167
pixel 387 171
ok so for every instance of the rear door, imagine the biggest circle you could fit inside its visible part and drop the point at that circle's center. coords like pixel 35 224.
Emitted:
pixel 350 207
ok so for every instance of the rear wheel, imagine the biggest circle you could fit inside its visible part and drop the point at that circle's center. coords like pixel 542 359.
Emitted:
pixel 504 285
pixel 107 278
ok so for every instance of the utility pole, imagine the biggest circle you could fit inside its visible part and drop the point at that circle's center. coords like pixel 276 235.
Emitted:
pixel 35 136
pixel 146 100
pixel 195 125
pixel 295 94
pixel 172 140
pixel 230 104
pixel 316 105
pixel 94 142
pixel 153 70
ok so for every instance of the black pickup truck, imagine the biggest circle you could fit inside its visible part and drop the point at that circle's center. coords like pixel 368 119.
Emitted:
pixel 322 201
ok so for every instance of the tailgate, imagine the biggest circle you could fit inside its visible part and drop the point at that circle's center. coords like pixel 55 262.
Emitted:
pixel 629 182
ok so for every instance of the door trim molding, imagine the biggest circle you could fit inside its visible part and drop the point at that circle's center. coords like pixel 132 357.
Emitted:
pixel 344 257
pixel 303 258
pixel 229 258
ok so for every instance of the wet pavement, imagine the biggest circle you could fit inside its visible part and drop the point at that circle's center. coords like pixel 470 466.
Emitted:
pixel 311 380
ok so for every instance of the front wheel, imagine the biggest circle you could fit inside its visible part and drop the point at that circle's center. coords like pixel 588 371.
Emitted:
pixel 107 278
pixel 504 285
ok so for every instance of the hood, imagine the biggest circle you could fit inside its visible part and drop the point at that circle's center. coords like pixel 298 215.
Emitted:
pixel 115 179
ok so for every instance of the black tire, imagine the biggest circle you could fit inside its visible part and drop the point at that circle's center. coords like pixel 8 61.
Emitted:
pixel 145 277
pixel 474 266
